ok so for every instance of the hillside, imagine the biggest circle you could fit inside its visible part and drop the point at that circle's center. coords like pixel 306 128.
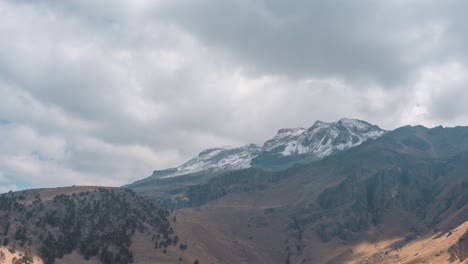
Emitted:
pixel 88 225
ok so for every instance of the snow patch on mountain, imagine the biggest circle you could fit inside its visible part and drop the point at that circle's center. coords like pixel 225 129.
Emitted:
pixel 218 160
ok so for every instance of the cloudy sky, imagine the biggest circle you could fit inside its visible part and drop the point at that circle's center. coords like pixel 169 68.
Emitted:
pixel 103 92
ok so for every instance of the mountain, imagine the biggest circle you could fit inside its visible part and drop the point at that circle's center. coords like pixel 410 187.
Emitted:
pixel 402 198
pixel 289 146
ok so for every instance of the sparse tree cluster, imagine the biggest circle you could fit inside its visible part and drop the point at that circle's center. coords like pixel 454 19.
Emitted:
pixel 27 258
pixel 97 224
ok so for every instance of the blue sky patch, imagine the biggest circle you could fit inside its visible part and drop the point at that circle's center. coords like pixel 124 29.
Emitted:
pixel 4 122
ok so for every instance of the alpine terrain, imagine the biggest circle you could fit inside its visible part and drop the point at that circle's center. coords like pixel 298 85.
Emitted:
pixel 288 147
pixel 401 198
pixel 343 192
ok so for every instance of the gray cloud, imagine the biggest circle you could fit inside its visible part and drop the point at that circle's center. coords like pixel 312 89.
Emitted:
pixel 301 39
pixel 104 92
pixel 354 40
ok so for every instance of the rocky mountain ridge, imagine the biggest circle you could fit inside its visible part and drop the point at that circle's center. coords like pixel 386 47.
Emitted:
pixel 401 198
pixel 287 147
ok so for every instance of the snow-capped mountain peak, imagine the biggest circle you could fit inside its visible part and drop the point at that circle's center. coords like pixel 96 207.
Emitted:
pixel 289 145
pixel 320 140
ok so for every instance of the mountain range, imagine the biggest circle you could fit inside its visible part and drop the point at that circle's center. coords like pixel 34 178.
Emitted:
pixel 401 198
pixel 335 193
pixel 288 147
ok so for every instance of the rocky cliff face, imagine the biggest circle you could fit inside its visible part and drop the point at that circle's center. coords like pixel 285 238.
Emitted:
pixel 415 176
pixel 235 181
pixel 357 204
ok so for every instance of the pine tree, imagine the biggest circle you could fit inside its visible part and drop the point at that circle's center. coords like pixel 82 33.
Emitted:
pixel 28 257
pixel 6 241
pixel 7 228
